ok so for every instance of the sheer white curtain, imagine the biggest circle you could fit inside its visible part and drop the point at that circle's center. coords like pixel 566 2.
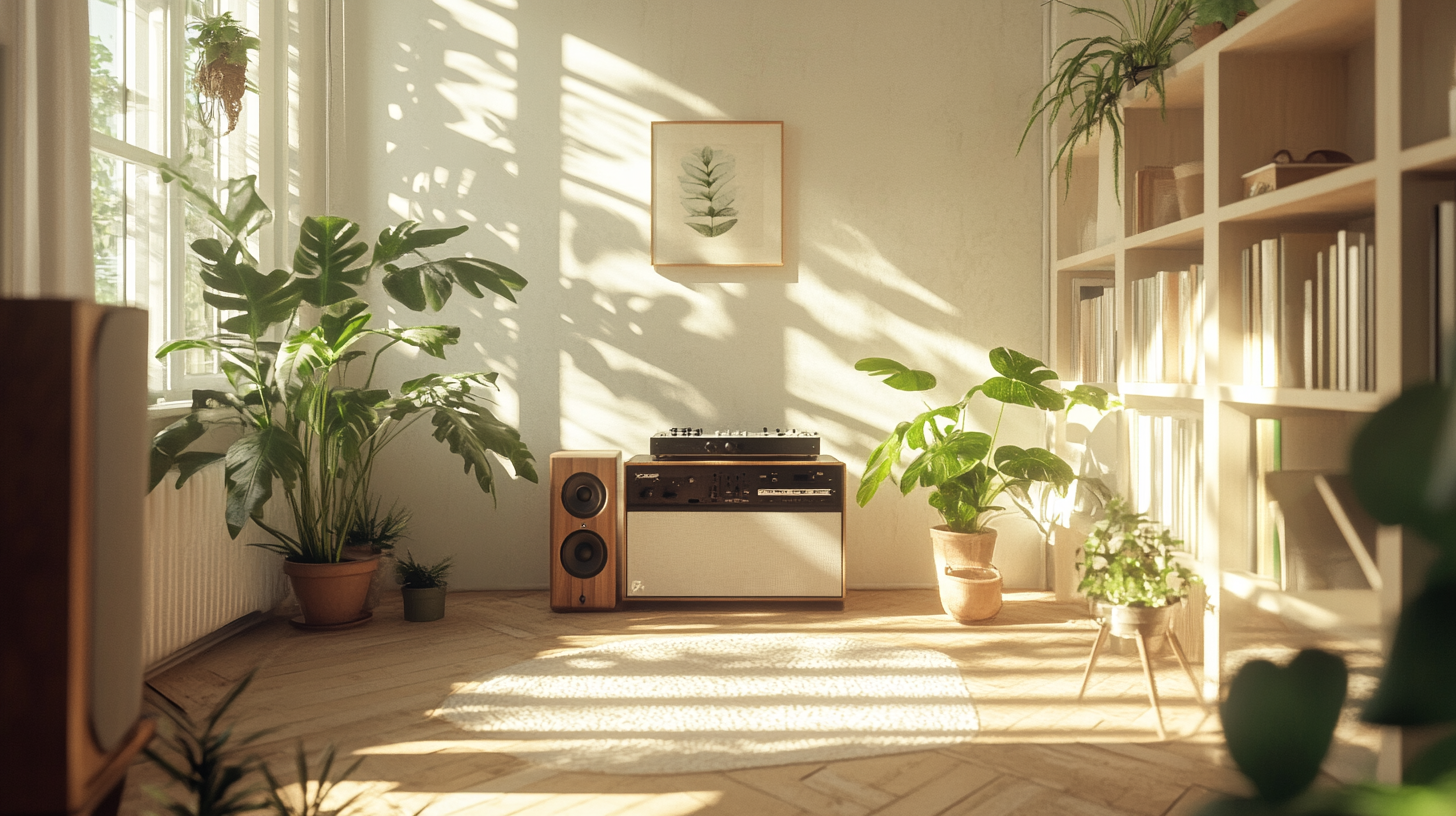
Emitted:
pixel 45 172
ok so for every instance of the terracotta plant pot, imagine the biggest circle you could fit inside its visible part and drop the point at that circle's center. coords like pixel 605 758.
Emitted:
pixel 1203 34
pixel 331 595
pixel 956 552
pixel 971 594
pixel 385 568
pixel 425 604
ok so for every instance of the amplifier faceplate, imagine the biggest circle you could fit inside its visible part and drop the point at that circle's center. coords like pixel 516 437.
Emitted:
pixel 804 486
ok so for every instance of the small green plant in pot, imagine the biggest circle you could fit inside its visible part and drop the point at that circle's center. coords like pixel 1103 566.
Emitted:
pixel 423 587
pixel 374 534
pixel 967 472
pixel 1130 561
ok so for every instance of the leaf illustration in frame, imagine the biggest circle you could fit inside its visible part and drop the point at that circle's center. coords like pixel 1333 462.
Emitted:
pixel 707 194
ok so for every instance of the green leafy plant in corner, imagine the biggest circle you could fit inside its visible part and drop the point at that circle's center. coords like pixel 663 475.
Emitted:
pixel 303 393
pixel 1128 560
pixel 1222 11
pixel 1279 722
pixel 706 193
pixel 1094 72
pixel 411 574
pixel 201 755
pixel 221 72
pixel 965 469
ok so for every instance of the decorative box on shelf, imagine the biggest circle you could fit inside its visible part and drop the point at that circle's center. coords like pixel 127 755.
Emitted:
pixel 1278 175
pixel 1156 198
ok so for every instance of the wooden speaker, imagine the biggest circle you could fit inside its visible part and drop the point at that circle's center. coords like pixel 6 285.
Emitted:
pixel 73 392
pixel 585 530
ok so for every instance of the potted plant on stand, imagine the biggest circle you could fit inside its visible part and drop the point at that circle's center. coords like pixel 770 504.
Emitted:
pixel 967 472
pixel 301 387
pixel 423 588
pixel 1133 577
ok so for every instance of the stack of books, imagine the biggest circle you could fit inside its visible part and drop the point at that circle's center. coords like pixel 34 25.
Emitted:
pixel 1167 322
pixel 1309 311
pixel 1094 339
pixel 1167 471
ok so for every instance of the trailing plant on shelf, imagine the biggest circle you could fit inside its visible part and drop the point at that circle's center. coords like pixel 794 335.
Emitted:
pixel 303 392
pixel 1128 560
pixel 221 72
pixel 966 471
pixel 412 574
pixel 1094 72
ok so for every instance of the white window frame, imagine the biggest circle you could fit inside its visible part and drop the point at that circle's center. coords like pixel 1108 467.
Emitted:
pixel 272 120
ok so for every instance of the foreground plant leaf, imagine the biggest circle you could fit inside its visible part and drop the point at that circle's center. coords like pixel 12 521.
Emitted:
pixel 1279 721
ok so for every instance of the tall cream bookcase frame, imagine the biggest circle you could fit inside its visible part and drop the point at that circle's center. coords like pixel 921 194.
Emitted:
pixel 1371 78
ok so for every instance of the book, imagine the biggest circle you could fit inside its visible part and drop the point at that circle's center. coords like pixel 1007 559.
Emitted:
pixel 1269 327
pixel 1298 264
pixel 1443 301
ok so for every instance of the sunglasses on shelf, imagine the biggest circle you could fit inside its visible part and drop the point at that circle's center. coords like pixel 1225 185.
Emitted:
pixel 1314 157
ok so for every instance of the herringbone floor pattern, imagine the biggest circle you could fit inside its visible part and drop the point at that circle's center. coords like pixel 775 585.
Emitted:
pixel 369 691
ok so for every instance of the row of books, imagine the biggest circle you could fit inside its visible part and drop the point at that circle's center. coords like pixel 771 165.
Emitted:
pixel 1167 327
pixel 1309 311
pixel 1167 471
pixel 1443 294
pixel 1094 338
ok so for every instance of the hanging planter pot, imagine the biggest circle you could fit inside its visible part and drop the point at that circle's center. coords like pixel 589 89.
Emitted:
pixel 221 74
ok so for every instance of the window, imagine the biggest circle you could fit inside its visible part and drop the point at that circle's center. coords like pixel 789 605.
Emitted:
pixel 144 113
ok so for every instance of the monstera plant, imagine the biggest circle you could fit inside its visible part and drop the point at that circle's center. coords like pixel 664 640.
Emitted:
pixel 967 472
pixel 303 392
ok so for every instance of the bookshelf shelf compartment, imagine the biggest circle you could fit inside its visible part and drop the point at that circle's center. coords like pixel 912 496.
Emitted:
pixel 1432 157
pixel 1093 260
pixel 1301 398
pixel 1185 234
pixel 1348 193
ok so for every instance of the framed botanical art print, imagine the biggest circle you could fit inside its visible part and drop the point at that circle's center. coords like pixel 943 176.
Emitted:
pixel 718 193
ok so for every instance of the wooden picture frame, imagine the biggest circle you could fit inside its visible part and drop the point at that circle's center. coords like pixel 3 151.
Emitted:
pixel 717 193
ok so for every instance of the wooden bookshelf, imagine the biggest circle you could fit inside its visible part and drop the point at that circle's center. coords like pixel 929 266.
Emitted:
pixel 1369 78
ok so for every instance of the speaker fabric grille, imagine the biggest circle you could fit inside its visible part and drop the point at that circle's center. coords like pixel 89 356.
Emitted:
pixel 734 554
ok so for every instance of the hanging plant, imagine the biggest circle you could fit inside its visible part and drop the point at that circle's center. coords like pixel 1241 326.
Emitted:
pixel 221 75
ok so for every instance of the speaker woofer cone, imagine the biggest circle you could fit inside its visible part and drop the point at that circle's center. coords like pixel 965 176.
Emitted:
pixel 583 495
pixel 583 554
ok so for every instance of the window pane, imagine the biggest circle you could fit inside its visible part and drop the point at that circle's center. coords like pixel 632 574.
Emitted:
pixel 145 257
pixel 198 319
pixel 106 90
pixel 147 68
pixel 108 226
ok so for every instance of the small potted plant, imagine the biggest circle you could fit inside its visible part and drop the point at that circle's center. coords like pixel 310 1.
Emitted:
pixel 221 75
pixel 423 587
pixel 1132 573
pixel 373 534
pixel 1214 17
pixel 968 473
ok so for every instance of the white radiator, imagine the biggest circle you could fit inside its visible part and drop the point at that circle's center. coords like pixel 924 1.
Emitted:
pixel 197 579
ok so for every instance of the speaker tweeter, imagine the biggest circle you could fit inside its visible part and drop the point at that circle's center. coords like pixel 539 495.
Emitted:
pixel 586 511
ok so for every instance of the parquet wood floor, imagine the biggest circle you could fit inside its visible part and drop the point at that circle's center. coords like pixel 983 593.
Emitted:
pixel 369 691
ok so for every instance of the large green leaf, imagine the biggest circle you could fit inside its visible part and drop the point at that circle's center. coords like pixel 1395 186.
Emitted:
pixel 244 214
pixel 1090 395
pixel 897 375
pixel 1279 721
pixel 947 458
pixel 468 427
pixel 1034 465
pixel 169 443
pixel 432 340
pixel 351 415
pixel 428 285
pixel 343 322
pixel 877 469
pixel 321 262
pixel 1418 685
pixel 1020 382
pixel 253 462
pixel 406 237
pixel 924 428
pixel 262 300
pixel 1393 462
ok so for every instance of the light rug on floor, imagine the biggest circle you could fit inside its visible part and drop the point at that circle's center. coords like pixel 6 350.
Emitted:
pixel 718 702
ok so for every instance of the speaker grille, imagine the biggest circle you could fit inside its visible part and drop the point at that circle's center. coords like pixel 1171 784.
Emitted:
pixel 734 555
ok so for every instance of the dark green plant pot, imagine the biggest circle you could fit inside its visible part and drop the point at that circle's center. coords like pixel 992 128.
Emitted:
pixel 422 605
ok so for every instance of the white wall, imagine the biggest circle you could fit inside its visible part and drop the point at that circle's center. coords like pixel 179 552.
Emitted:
pixel 913 231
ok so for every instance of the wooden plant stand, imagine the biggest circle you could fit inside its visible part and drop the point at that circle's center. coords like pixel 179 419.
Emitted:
pixel 1141 635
